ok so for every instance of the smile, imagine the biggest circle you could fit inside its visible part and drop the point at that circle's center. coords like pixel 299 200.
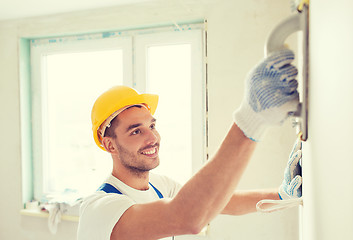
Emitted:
pixel 150 151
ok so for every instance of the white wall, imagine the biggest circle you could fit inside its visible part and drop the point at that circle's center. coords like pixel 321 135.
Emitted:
pixel 328 159
pixel 236 34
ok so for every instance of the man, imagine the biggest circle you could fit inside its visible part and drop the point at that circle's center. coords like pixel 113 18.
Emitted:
pixel 136 204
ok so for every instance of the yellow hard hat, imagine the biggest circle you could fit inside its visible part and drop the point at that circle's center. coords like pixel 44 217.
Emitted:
pixel 114 101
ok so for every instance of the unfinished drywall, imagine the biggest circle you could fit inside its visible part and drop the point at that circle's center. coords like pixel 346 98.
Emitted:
pixel 328 161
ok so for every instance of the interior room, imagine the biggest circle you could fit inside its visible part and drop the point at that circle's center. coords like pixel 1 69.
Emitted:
pixel 233 35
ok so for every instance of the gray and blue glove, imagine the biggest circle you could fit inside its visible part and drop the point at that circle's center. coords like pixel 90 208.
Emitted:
pixel 291 186
pixel 270 95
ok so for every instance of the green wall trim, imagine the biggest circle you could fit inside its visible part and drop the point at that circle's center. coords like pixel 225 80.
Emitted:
pixel 26 120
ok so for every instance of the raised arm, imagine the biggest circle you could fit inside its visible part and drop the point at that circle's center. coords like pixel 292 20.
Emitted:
pixel 270 94
pixel 244 202
pixel 198 202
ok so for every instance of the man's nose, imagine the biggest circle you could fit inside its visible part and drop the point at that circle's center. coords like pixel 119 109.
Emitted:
pixel 152 137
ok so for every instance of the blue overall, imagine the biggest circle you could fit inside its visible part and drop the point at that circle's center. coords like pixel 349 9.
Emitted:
pixel 108 188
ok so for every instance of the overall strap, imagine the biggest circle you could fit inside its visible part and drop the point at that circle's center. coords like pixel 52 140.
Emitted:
pixel 108 188
pixel 157 191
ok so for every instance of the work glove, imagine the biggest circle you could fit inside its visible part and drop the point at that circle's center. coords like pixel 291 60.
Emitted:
pixel 270 95
pixel 291 186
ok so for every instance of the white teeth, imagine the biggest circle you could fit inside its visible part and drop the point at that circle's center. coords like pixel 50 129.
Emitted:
pixel 152 151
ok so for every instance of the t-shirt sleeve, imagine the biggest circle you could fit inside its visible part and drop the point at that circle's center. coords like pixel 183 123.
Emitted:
pixel 99 213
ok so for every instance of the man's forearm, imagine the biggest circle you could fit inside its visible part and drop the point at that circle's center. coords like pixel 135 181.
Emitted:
pixel 206 194
pixel 243 202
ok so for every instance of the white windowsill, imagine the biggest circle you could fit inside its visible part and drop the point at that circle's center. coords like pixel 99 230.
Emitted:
pixel 42 214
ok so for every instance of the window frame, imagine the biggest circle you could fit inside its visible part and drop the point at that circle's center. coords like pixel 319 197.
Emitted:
pixel 193 37
pixel 39 122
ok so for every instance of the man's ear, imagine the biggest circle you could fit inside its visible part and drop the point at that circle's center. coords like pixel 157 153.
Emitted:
pixel 109 145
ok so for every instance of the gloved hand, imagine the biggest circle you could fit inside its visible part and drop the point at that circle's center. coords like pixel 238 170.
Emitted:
pixel 270 95
pixel 292 183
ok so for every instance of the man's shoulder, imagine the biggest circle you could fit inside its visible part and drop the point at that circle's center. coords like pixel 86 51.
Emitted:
pixel 100 197
pixel 99 212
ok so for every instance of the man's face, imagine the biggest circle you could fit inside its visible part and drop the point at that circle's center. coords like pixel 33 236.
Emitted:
pixel 137 140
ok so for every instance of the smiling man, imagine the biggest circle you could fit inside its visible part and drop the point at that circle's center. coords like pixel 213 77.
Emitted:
pixel 134 144
pixel 134 204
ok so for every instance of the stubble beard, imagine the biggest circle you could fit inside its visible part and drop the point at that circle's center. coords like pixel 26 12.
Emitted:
pixel 132 162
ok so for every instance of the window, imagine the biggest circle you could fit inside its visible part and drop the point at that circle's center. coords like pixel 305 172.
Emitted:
pixel 69 73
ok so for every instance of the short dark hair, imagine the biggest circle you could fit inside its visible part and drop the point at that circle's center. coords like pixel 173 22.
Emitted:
pixel 109 132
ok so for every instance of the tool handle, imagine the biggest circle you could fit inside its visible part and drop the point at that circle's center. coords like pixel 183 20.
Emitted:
pixel 281 32
pixel 275 41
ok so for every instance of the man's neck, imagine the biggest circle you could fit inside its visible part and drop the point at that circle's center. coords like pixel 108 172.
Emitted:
pixel 133 179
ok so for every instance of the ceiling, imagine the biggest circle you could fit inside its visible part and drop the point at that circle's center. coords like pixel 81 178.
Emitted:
pixel 13 9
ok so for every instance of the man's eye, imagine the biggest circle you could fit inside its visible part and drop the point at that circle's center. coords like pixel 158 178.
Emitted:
pixel 153 126
pixel 136 132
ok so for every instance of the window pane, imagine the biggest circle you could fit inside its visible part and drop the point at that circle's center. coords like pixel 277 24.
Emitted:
pixel 169 76
pixel 71 159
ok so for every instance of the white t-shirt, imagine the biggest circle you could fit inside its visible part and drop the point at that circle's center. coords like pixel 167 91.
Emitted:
pixel 101 211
